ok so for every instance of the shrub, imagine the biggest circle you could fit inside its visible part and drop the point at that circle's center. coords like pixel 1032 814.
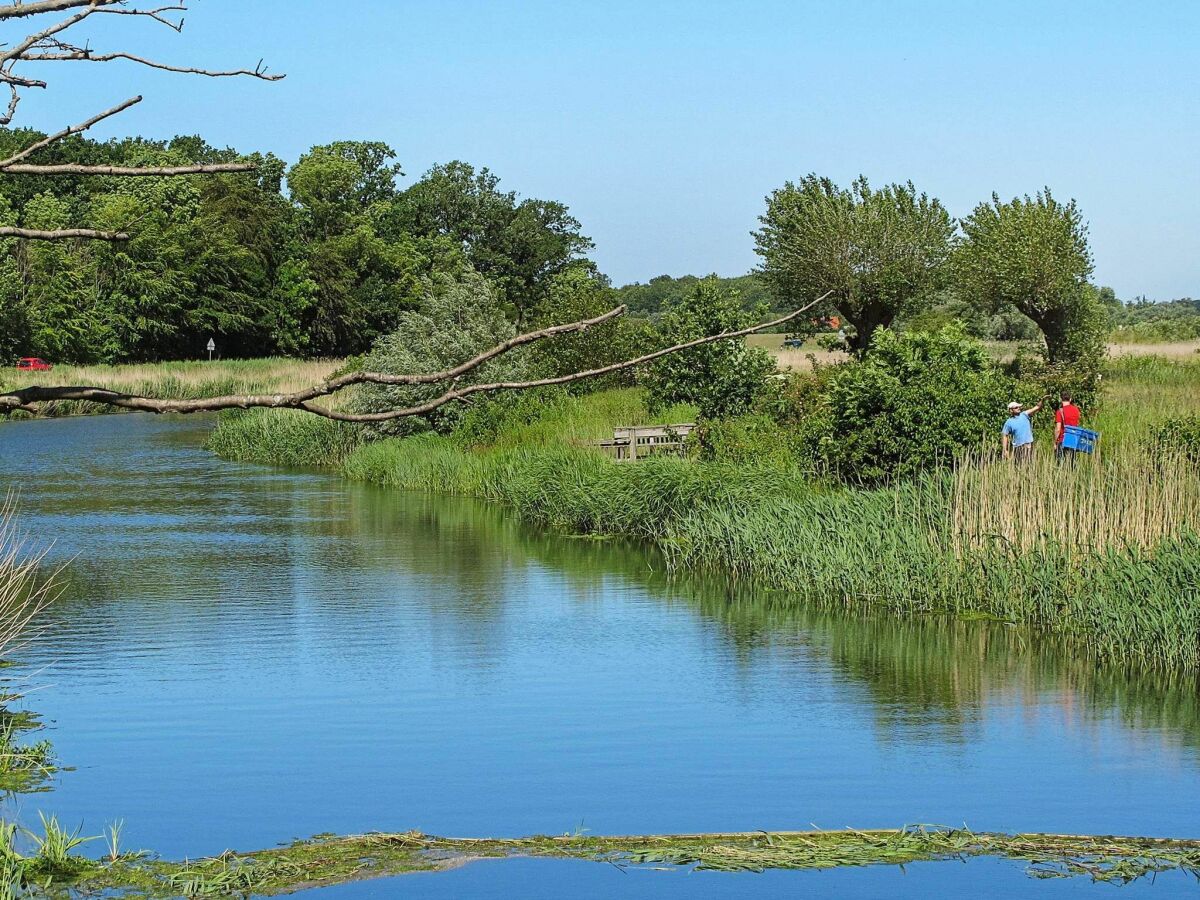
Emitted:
pixel 458 318
pixel 911 404
pixel 579 293
pixel 724 378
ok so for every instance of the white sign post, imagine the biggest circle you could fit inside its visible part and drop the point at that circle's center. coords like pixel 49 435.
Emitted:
pixel 212 345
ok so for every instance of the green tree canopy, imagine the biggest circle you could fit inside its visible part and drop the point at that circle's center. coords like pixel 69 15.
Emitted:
pixel 882 252
pixel 1031 253
pixel 723 378
pixel 518 245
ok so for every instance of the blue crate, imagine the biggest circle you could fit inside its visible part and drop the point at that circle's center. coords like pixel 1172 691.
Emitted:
pixel 1084 440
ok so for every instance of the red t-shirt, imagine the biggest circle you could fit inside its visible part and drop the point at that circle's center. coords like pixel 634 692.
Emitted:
pixel 1067 414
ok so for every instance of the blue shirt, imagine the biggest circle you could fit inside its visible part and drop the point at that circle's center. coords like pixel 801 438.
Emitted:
pixel 1020 428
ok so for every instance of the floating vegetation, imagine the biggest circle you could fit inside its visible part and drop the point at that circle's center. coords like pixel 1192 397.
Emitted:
pixel 327 860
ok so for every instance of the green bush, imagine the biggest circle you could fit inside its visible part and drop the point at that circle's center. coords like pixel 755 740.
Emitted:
pixel 724 378
pixel 911 404
pixel 577 294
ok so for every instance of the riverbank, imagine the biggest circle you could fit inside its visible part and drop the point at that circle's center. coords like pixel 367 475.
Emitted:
pixel 173 380
pixel 1107 553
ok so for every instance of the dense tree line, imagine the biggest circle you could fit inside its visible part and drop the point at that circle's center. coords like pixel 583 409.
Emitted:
pixel 319 259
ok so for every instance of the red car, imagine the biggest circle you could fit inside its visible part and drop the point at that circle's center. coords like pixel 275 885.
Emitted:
pixel 33 364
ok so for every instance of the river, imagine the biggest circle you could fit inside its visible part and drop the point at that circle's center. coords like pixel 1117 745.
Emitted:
pixel 245 656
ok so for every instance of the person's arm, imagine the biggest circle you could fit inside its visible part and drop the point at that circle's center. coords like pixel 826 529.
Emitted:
pixel 1033 409
pixel 1058 428
pixel 1004 441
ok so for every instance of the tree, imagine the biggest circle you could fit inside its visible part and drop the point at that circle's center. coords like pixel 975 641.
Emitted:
pixel 1030 253
pixel 722 379
pixel 346 282
pixel 519 245
pixel 882 252
pixel 456 317
pixel 580 293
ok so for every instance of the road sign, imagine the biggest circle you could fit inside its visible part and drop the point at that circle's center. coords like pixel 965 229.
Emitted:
pixel 212 345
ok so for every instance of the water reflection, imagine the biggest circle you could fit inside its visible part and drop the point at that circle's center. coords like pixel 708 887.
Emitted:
pixel 245 656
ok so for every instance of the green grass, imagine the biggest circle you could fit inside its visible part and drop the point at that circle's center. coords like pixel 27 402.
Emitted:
pixel 329 860
pixel 1106 554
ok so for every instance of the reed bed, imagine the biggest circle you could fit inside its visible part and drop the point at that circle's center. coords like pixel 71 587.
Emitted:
pixel 1088 505
pixel 25 591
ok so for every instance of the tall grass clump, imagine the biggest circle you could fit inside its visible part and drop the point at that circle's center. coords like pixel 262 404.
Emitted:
pixel 284 437
pixel 1118 501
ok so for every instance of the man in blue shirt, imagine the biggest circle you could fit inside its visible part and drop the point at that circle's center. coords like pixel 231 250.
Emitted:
pixel 1017 437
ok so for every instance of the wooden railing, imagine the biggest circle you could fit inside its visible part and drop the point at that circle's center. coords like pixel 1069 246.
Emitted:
pixel 628 443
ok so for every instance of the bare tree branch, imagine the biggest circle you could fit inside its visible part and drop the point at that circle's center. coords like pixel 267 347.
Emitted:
pixel 128 171
pixel 27 398
pixel 82 55
pixel 20 10
pixel 47 45
pixel 34 40
pixel 35 234
pixel 73 129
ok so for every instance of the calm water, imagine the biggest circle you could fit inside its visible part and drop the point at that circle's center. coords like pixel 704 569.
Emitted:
pixel 246 656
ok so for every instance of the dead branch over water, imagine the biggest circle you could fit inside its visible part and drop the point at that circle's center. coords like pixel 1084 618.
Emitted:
pixel 27 399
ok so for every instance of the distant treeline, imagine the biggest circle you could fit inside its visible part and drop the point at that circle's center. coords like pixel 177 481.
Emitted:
pixel 1139 319
pixel 318 259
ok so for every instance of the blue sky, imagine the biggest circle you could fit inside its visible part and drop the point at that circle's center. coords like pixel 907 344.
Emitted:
pixel 664 124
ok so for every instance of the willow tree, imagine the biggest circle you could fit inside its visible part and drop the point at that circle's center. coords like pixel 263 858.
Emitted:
pixel 1032 253
pixel 52 26
pixel 882 252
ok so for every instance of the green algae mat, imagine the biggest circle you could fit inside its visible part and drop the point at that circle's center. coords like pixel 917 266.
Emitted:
pixel 326 859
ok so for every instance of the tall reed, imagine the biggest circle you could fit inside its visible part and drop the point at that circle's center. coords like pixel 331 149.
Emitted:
pixel 1089 504
pixel 24 590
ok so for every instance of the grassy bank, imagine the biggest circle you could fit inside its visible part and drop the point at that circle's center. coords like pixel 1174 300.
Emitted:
pixel 1106 552
pixel 173 380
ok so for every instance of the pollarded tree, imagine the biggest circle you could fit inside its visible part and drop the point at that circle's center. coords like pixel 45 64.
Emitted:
pixel 1031 253
pixel 882 252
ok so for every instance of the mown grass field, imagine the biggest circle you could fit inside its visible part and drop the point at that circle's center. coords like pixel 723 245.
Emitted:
pixel 1107 552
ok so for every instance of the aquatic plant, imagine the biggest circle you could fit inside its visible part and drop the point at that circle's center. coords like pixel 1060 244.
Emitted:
pixel 331 860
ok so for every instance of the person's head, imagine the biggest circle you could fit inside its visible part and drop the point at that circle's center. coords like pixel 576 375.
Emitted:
pixel 1066 398
pixel 1014 408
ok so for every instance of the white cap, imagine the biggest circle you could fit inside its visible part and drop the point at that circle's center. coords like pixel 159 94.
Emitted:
pixel 1014 405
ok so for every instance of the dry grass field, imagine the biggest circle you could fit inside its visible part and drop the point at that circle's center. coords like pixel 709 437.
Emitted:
pixel 803 358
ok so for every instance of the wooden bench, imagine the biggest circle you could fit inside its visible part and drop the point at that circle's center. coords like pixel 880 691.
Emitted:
pixel 630 442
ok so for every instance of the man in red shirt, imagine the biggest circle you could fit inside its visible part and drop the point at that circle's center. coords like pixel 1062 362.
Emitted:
pixel 1066 414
